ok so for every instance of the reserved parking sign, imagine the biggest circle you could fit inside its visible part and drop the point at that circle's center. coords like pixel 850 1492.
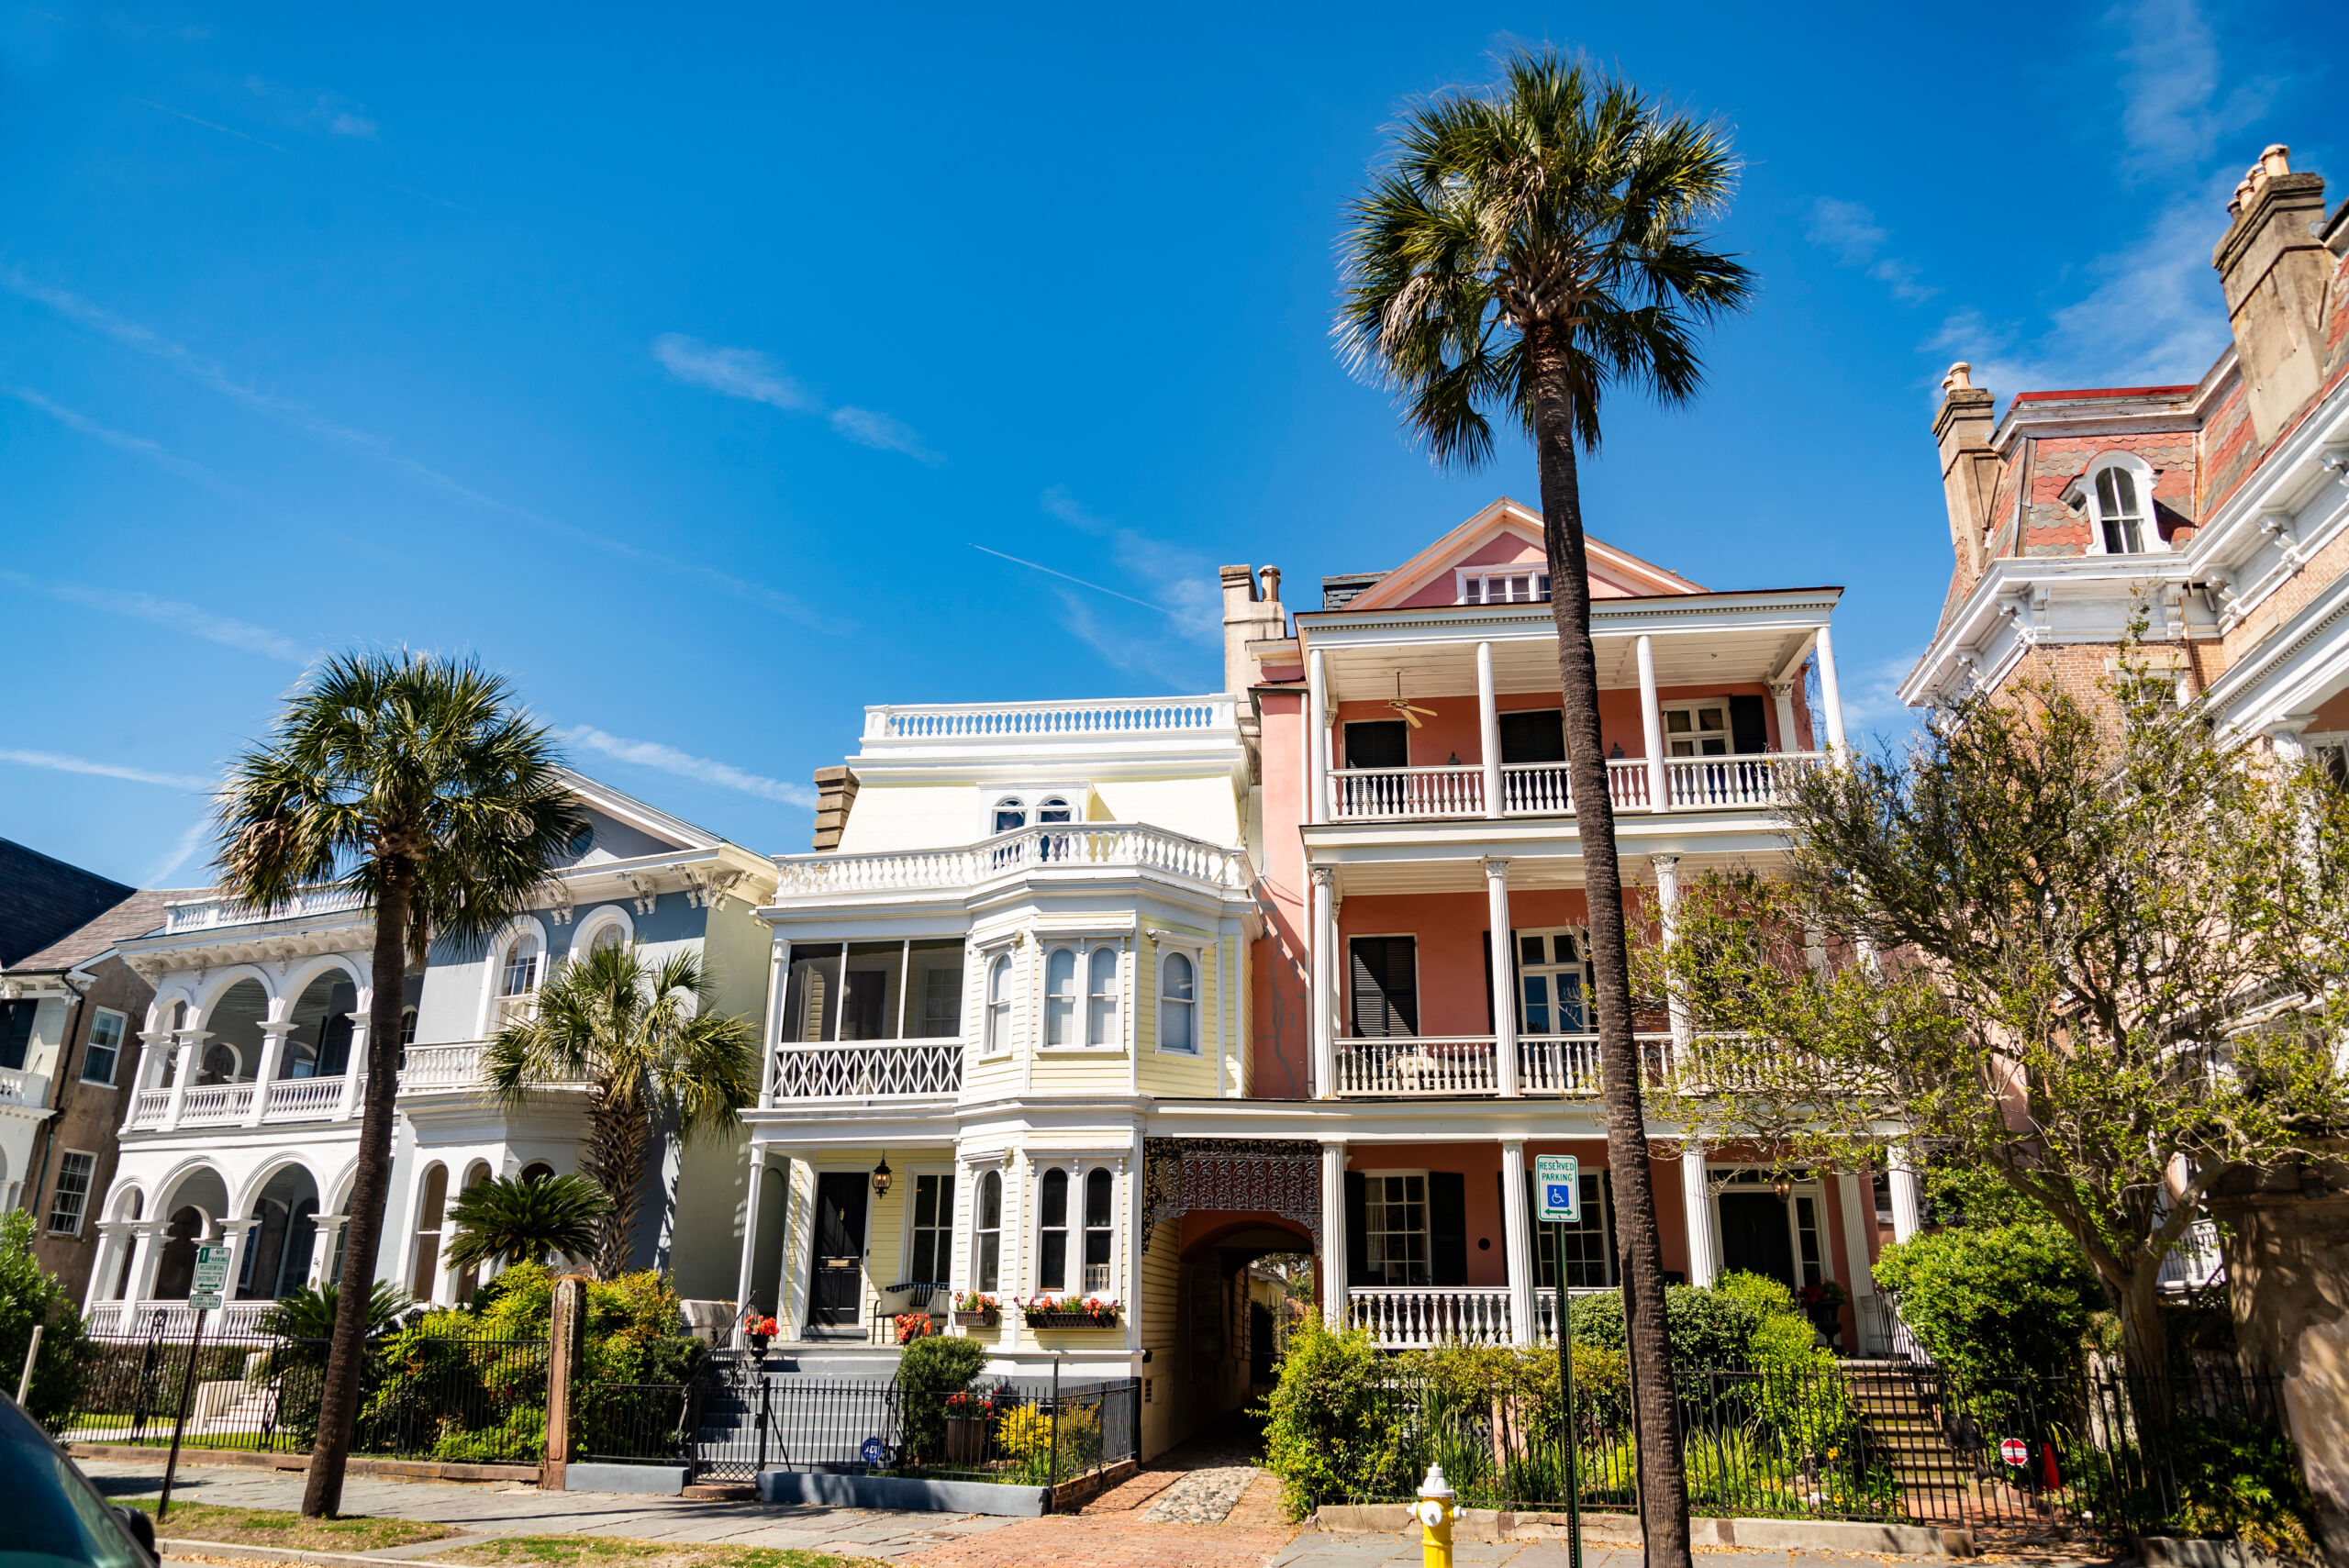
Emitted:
pixel 1557 1189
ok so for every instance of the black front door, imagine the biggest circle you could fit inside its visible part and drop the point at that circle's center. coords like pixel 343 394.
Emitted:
pixel 1754 1236
pixel 837 1289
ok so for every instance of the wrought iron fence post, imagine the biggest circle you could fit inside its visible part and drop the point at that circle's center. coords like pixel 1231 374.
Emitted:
pixel 762 1422
pixel 1053 1454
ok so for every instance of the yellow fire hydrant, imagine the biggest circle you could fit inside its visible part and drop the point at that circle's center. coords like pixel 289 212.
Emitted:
pixel 1435 1511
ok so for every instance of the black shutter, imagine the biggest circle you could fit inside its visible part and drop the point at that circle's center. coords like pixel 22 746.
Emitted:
pixel 1379 743
pixel 1447 1228
pixel 1385 1001
pixel 1357 1229
pixel 1536 737
pixel 16 1030
pixel 1491 1024
pixel 1747 731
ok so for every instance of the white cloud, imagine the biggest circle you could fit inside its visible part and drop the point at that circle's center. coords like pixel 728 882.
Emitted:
pixel 121 440
pixel 750 375
pixel 1850 232
pixel 57 761
pixel 317 110
pixel 1872 697
pixel 161 871
pixel 2171 116
pixel 190 618
pixel 684 765
pixel 1178 581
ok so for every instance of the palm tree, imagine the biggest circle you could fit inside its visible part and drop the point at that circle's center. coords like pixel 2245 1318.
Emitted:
pixel 418 782
pixel 1530 248
pixel 311 1313
pixel 633 1031
pixel 510 1220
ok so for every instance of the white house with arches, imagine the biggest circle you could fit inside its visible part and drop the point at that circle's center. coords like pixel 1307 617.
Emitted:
pixel 243 1126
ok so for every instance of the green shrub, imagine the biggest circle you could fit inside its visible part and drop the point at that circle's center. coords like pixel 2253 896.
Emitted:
pixel 29 1295
pixel 1330 1426
pixel 1707 1328
pixel 930 1369
pixel 1768 1297
pixel 1995 1302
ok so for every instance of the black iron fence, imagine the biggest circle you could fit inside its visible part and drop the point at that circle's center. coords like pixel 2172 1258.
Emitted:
pixel 468 1398
pixel 1014 1433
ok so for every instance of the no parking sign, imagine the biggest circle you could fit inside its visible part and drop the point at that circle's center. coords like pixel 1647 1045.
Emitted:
pixel 2014 1450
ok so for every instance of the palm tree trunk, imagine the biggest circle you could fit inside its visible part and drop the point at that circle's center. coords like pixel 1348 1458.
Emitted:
pixel 1664 1483
pixel 370 1183
pixel 615 1141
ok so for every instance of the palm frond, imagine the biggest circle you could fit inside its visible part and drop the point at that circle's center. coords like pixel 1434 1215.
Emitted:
pixel 510 1220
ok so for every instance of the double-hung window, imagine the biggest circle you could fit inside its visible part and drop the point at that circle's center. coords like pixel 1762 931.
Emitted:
pixel 1100 1204
pixel 1551 980
pixel 1052 1232
pixel 986 1233
pixel 1060 998
pixel 107 1030
pixel 76 1170
pixel 933 1230
pixel 1697 730
pixel 998 1027
pixel 1101 997
pixel 1395 1228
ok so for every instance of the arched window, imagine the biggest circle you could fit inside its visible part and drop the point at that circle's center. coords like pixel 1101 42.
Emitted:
pixel 1060 998
pixel 537 1171
pixel 1098 1230
pixel 2117 495
pixel 1051 1232
pixel 430 1202
pixel 408 1028
pixel 607 936
pixel 518 976
pixel 1178 1005
pixel 1053 809
pixel 986 1232
pixel 998 1029
pixel 1010 815
pixel 1101 997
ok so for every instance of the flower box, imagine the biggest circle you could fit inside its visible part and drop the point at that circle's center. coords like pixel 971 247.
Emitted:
pixel 983 1318
pixel 1071 1317
pixel 966 1440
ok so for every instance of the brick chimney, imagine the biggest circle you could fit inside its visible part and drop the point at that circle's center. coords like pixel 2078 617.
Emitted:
pixel 835 793
pixel 1969 467
pixel 2274 269
pixel 1249 616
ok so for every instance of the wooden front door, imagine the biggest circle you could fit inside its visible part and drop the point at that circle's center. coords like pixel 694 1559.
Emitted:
pixel 1754 1236
pixel 836 1290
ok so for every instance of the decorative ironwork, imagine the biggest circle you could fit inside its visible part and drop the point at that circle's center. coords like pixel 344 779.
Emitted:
pixel 1267 1175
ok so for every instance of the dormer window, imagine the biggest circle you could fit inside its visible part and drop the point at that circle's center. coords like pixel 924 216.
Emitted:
pixel 1010 815
pixel 1520 585
pixel 2117 495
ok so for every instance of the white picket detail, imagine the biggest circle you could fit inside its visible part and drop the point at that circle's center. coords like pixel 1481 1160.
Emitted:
pixel 1418 1317
pixel 1418 1065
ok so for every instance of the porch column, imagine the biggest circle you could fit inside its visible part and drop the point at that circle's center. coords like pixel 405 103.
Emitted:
pixel 1325 961
pixel 1488 728
pixel 1651 729
pixel 1704 1265
pixel 1907 1213
pixel 1782 693
pixel 1504 985
pixel 778 982
pixel 1831 696
pixel 1334 1263
pixel 1129 1188
pixel 798 1251
pixel 185 1051
pixel 1667 899
pixel 146 1259
pixel 354 1068
pixel 1517 1235
pixel 749 1269
pixel 1850 1195
pixel 325 1244
pixel 272 1055
pixel 238 1236
pixel 1316 739
pixel 103 1267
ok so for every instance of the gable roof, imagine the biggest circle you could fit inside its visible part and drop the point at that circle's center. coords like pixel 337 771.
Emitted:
pixel 46 899
pixel 652 820
pixel 1618 570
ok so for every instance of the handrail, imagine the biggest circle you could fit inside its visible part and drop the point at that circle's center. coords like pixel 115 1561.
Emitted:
pixel 1546 789
pixel 214 910
pixel 1047 847
pixel 1113 717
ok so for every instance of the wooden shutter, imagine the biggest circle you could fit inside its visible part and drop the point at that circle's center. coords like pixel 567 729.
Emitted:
pixel 1357 1229
pixel 1748 731
pixel 1447 1228
pixel 1379 743
pixel 1536 737
pixel 1385 1001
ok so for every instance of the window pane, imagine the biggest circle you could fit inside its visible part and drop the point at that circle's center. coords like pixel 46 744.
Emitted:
pixel 106 1032
pixel 991 1201
pixel 869 1011
pixel 1054 1209
pixel 1097 1198
pixel 72 1196
pixel 1537 1004
pixel 810 1006
pixel 1009 815
pixel 1053 810
pixel 1677 722
pixel 990 1244
pixel 934 1006
pixel 1060 997
pixel 1179 977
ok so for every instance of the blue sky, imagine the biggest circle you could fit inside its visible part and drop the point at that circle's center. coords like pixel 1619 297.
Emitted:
pixel 677 369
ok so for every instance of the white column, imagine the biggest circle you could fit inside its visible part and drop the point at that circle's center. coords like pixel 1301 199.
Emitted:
pixel 146 1258
pixel 778 983
pixel 1517 1235
pixel 1317 739
pixel 1696 1205
pixel 272 1055
pixel 354 1068
pixel 1858 1204
pixel 325 1242
pixel 1488 728
pixel 1668 901
pixel 1129 1184
pixel 102 1268
pixel 1504 982
pixel 1652 729
pixel 1782 695
pixel 1333 1235
pixel 1907 1213
pixel 798 1251
pixel 748 1272
pixel 185 1049
pixel 238 1235
pixel 1325 968
pixel 1831 696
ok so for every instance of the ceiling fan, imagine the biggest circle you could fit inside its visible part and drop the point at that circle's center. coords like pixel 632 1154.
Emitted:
pixel 1400 704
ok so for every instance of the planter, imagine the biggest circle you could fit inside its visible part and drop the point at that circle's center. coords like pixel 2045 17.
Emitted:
pixel 987 1318
pixel 1072 1320
pixel 758 1343
pixel 966 1440
pixel 1829 1322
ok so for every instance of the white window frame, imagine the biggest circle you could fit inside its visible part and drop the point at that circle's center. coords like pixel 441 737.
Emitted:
pixel 122 1038
pixel 1519 969
pixel 81 1216
pixel 594 925
pixel 494 993
pixel 2082 493
pixel 1167 951
pixel 1692 707
pixel 1111 1035
pixel 1427 1234
pixel 1083 1229
pixel 913 1175
pixel 1720 1180
pixel 1481 579
pixel 1031 800
pixel 1036 1228
pixel 995 1012
pixel 1065 1008
pixel 979 1175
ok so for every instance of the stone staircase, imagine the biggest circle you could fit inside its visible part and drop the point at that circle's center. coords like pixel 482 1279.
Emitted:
pixel 1902 1425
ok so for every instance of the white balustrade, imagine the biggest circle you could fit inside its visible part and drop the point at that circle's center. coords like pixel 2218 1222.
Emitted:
pixel 151 1107
pixel 1545 1309
pixel 302 1099
pixel 1531 789
pixel 1627 784
pixel 1558 1063
pixel 19 1087
pixel 1698 784
pixel 1113 718
pixel 1365 795
pixel 1418 1065
pixel 873 1069
pixel 2195 1261
pixel 1076 847
pixel 1418 1318
pixel 211 1105
pixel 435 1067
pixel 203 914
pixel 232 1321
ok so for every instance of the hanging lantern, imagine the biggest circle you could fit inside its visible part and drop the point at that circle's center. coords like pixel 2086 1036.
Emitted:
pixel 882 1176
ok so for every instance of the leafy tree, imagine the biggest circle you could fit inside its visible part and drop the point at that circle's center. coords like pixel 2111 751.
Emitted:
pixel 1994 1301
pixel 633 1030
pixel 418 782
pixel 30 1296
pixel 510 1220
pixel 1530 248
pixel 2094 953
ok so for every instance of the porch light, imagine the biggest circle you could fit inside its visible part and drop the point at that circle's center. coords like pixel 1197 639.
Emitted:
pixel 1781 1185
pixel 882 1176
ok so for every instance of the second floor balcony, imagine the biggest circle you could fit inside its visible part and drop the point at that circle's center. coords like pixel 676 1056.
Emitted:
pixel 1564 1066
pixel 1541 789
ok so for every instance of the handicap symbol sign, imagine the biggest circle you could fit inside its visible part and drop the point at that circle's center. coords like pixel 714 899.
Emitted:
pixel 873 1452
pixel 1557 1189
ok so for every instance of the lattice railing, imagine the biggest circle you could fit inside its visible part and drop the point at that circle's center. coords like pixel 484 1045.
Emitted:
pixel 863 1070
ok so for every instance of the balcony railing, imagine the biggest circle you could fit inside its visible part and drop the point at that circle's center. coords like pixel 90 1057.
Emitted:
pixel 1450 1066
pixel 1418 1317
pixel 235 1320
pixel 217 1105
pixel 1115 718
pixel 868 1070
pixel 149 1107
pixel 19 1087
pixel 203 914
pixel 431 1068
pixel 1544 789
pixel 302 1099
pixel 2195 1261
pixel 1080 847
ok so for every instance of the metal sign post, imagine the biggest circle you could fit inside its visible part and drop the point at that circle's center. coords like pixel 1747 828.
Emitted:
pixel 211 1279
pixel 1557 1188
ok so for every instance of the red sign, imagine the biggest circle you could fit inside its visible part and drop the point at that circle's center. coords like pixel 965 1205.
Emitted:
pixel 2014 1450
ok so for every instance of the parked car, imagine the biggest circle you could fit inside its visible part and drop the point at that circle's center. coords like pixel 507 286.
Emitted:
pixel 54 1515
